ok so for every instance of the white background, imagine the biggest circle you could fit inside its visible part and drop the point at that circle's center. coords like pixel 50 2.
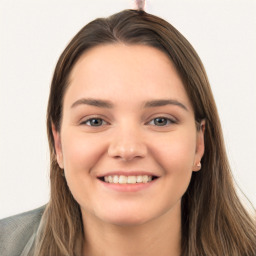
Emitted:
pixel 34 33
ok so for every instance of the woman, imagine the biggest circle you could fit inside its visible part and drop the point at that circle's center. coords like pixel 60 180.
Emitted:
pixel 138 164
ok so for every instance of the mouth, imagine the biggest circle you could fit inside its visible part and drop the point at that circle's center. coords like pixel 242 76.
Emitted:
pixel 131 179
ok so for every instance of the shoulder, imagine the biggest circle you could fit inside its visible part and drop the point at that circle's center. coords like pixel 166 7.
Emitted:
pixel 16 231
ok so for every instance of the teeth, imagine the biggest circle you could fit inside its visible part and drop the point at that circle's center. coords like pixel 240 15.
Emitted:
pixel 128 179
pixel 116 179
pixel 144 178
pixel 139 179
pixel 131 179
pixel 122 179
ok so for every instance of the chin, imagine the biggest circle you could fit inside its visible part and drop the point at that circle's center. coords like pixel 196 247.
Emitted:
pixel 126 221
pixel 126 218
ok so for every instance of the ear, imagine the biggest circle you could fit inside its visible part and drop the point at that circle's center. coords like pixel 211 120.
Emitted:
pixel 199 147
pixel 57 145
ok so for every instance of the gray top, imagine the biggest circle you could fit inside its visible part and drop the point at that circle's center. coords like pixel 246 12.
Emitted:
pixel 18 233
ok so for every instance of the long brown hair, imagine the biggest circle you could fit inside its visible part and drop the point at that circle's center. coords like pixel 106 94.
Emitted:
pixel 214 222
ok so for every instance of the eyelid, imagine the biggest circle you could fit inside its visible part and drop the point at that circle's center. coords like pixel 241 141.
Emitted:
pixel 84 121
pixel 172 120
pixel 169 122
pixel 168 117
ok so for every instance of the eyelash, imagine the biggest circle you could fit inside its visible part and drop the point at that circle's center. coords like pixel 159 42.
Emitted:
pixel 169 121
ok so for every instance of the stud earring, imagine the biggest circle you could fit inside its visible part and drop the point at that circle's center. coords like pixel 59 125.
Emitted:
pixel 199 165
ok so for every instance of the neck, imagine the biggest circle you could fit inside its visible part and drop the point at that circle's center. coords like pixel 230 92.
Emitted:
pixel 161 236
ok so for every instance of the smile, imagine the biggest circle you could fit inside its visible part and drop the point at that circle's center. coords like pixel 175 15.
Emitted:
pixel 127 182
pixel 122 179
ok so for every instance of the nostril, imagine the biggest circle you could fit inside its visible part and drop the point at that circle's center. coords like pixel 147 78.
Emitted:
pixel 127 148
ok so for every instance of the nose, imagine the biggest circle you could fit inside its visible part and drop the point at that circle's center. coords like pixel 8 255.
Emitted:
pixel 127 145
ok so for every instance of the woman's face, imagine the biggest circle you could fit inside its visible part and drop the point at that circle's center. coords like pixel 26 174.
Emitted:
pixel 127 119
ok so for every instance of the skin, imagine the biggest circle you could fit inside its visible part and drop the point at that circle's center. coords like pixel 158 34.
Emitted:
pixel 129 139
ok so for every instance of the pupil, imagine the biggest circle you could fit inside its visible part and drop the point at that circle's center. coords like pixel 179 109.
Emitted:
pixel 160 121
pixel 96 122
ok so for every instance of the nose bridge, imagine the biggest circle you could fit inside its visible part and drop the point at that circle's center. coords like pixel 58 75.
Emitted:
pixel 127 143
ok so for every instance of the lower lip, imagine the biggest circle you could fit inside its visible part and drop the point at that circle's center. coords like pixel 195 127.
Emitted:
pixel 128 187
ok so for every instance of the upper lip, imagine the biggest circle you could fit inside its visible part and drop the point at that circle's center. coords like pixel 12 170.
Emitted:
pixel 127 173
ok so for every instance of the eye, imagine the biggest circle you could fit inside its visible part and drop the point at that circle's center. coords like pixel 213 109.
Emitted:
pixel 161 121
pixel 94 122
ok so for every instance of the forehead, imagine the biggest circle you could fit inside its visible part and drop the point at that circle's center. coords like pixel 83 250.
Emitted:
pixel 125 73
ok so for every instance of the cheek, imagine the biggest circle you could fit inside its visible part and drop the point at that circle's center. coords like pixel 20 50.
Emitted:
pixel 175 155
pixel 81 152
pixel 177 146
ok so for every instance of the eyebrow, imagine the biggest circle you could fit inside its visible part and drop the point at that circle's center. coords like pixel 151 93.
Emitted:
pixel 108 104
pixel 93 102
pixel 164 102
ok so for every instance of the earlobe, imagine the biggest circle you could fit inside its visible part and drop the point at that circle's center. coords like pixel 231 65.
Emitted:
pixel 199 147
pixel 57 146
